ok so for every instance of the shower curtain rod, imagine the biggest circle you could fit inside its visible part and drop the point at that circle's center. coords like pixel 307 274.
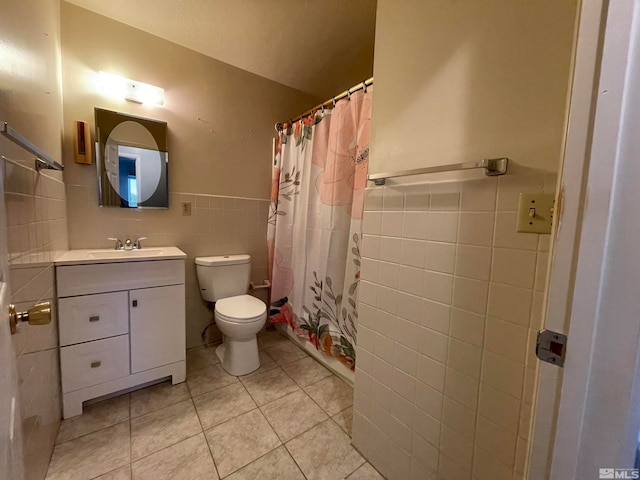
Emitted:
pixel 332 101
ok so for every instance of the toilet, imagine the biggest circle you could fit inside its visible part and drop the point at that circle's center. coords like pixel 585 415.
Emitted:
pixel 224 280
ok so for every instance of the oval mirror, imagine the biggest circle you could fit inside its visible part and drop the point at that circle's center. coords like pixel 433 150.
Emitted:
pixel 131 160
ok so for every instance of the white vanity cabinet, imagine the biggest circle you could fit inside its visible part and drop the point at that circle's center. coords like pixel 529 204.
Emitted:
pixel 121 325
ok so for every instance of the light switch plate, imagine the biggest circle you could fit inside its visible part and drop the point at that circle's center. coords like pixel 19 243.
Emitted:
pixel 535 213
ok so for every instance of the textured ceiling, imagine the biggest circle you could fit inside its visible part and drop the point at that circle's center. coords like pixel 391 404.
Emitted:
pixel 321 47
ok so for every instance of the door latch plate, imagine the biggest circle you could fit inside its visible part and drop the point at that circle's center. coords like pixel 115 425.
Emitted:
pixel 551 347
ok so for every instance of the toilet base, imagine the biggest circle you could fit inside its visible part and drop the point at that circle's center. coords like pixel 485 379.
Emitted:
pixel 239 356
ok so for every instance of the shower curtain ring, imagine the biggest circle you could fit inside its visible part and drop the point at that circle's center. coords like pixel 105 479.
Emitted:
pixel 349 95
pixel 334 102
pixel 322 108
pixel 364 84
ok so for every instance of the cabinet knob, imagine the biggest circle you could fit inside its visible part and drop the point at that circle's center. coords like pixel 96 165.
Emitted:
pixel 94 318
pixel 135 303
pixel 96 364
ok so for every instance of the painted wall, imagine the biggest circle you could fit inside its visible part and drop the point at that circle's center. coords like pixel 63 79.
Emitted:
pixel 451 295
pixel 220 121
pixel 31 102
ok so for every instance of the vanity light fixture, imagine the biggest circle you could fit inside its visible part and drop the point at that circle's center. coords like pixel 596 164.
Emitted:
pixel 119 87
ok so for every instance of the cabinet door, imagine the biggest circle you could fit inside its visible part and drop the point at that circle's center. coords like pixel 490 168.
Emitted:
pixel 157 327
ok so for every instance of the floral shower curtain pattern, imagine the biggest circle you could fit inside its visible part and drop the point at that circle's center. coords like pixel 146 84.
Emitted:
pixel 315 223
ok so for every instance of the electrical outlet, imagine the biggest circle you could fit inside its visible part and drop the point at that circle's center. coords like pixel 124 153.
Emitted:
pixel 186 209
pixel 535 213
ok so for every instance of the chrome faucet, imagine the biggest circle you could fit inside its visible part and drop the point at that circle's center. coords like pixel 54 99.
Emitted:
pixel 137 245
pixel 119 244
pixel 128 244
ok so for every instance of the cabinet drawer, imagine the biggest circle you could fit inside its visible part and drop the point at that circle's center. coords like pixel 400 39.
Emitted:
pixel 95 362
pixel 113 277
pixel 93 317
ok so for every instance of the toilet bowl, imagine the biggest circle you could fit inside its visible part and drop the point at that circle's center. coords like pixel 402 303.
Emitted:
pixel 224 280
pixel 239 318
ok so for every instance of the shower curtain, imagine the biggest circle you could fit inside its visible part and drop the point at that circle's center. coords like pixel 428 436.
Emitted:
pixel 314 231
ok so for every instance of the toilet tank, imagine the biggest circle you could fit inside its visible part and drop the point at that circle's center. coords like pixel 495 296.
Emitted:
pixel 223 276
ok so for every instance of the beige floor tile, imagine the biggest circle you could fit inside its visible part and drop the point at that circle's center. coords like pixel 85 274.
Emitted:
pixel 306 371
pixel 344 419
pixel 293 414
pixel 325 452
pixel 91 455
pixel 156 397
pixel 332 394
pixel 95 417
pixel 365 472
pixel 240 441
pixel 189 459
pixel 270 338
pixel 201 357
pixel 275 465
pixel 223 404
pixel 285 352
pixel 208 379
pixel 156 430
pixel 269 386
pixel 122 473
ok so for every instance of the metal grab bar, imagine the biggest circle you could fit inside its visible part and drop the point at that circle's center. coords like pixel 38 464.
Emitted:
pixel 42 159
pixel 492 167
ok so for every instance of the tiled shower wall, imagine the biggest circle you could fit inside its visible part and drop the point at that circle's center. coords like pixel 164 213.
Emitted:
pixel 450 302
pixel 217 226
pixel 37 232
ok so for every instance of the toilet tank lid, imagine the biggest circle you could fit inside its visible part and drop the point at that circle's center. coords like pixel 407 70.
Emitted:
pixel 221 260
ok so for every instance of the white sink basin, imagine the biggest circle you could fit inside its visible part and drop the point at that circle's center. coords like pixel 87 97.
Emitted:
pixel 109 255
pixel 143 252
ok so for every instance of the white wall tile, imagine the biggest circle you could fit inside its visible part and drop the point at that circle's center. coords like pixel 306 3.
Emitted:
pixel 373 198
pixel 445 196
pixel 476 228
pixel 473 262
pixel 427 426
pixel 425 453
pixel 371 223
pixel 370 246
pixel 382 371
pixel 431 372
pixel 459 418
pixel 467 326
pixel 400 434
pixel 464 358
pixel 409 306
pixel 503 374
pixel 511 304
pixel 391 224
pixel 429 399
pixel 499 407
pixel 411 280
pixel 479 195
pixel 404 384
pixel 511 186
pixel 437 286
pixel 514 267
pixel 416 197
pixel 443 227
pixel 369 269
pixel 392 199
pixel 440 257
pixel 541 271
pixel 402 408
pixel 457 447
pixel 436 316
pixel 390 248
pixel 451 470
pixel 433 344
pixel 415 225
pixel 486 467
pixel 405 359
pixel 408 333
pixel 462 388
pixel 506 236
pixel 412 252
pixel 469 294
pixel 501 443
pixel 508 339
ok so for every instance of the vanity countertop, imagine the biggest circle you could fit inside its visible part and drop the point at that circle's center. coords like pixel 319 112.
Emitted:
pixel 109 255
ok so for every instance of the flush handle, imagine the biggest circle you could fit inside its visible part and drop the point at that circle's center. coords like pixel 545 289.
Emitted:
pixel 135 303
pixel 39 314
pixel 96 364
pixel 94 318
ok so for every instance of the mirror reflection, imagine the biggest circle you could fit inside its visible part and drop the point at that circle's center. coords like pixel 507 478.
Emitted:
pixel 132 161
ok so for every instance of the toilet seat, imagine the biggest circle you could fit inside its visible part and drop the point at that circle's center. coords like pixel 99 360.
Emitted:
pixel 240 309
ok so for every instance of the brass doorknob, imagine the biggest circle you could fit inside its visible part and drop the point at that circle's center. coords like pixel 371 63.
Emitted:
pixel 39 314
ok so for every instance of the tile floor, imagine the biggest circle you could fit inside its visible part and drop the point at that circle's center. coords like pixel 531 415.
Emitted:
pixel 289 420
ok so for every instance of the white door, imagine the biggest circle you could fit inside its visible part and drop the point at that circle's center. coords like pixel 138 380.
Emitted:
pixel 11 466
pixel 588 413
